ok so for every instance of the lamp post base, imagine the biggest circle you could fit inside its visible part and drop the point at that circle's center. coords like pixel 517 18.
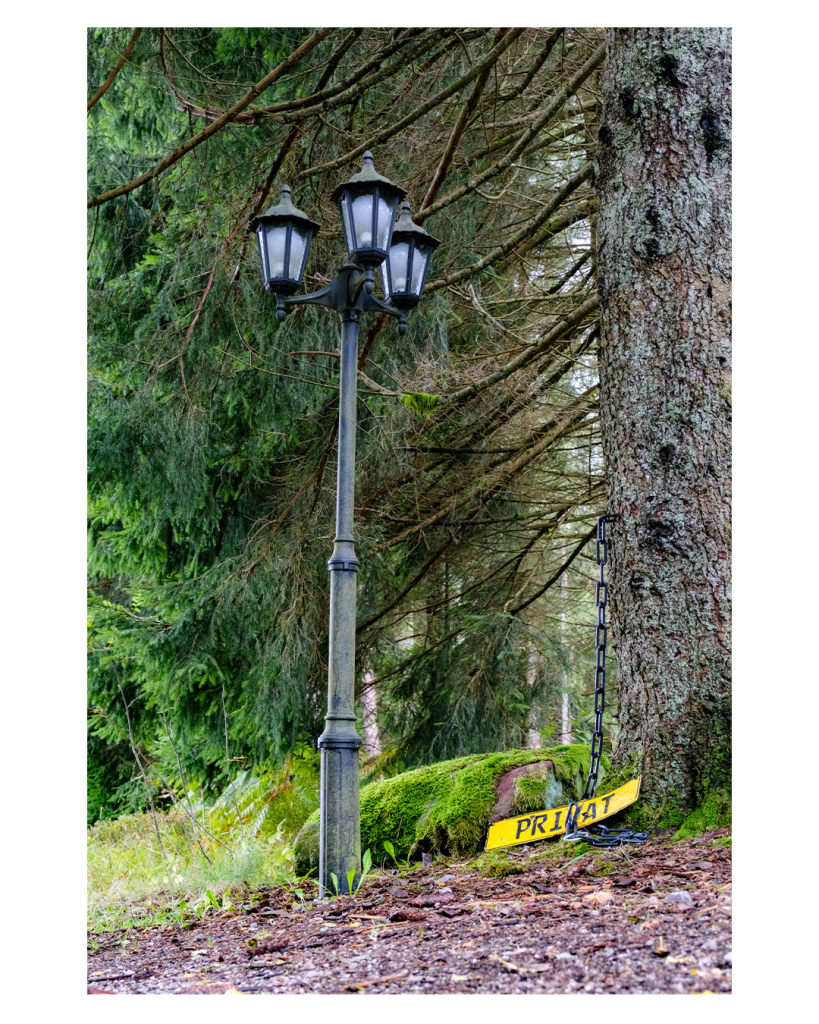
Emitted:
pixel 339 836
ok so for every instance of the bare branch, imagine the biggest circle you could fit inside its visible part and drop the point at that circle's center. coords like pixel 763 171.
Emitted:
pixel 106 85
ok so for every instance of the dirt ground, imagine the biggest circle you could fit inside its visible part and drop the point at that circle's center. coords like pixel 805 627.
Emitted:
pixel 651 919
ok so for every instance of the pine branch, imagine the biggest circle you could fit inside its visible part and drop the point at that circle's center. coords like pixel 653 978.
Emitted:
pixel 524 233
pixel 457 398
pixel 552 108
pixel 557 430
pixel 216 126
pixel 457 132
pixel 542 57
pixel 106 85
pixel 488 61
pixel 550 582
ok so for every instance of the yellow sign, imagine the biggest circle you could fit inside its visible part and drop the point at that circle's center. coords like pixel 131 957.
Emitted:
pixel 528 828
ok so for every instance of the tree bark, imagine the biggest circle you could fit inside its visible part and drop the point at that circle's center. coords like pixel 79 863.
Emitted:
pixel 663 253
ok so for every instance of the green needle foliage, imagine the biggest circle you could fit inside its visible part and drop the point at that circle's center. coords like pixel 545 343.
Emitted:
pixel 212 427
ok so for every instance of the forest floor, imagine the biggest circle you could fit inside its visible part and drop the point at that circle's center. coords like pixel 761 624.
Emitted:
pixel 650 919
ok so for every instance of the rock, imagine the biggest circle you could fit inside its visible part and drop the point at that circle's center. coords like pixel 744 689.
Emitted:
pixel 406 915
pixel 679 897
pixel 446 808
pixel 432 901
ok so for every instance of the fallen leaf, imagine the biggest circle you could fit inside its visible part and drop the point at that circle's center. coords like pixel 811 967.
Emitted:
pixel 599 899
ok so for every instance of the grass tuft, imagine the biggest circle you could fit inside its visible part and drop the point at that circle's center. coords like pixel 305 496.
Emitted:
pixel 134 883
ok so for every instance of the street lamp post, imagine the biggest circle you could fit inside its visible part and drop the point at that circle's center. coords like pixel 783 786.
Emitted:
pixel 368 204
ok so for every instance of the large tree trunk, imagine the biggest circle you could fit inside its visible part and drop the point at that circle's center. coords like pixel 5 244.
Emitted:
pixel 663 252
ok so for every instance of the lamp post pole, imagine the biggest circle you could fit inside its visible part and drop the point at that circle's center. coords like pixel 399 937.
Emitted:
pixel 339 830
pixel 368 205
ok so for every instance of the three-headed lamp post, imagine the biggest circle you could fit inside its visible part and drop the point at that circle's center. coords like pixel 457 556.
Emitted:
pixel 368 204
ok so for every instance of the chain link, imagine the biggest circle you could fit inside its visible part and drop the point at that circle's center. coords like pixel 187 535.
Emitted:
pixel 601 836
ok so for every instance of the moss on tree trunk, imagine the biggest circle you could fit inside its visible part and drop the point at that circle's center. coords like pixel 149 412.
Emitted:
pixel 664 272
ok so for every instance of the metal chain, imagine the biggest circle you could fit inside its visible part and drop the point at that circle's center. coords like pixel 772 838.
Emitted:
pixel 601 836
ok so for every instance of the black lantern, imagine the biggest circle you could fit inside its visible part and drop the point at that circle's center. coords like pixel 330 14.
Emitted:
pixel 284 235
pixel 404 271
pixel 368 204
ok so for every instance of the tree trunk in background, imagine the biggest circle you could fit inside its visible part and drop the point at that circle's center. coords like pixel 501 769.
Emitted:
pixel 565 726
pixel 565 722
pixel 535 739
pixel 663 252
pixel 369 707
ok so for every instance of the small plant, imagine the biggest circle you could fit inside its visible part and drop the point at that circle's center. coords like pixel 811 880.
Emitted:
pixel 391 851
pixel 366 864
pixel 205 903
pixel 178 913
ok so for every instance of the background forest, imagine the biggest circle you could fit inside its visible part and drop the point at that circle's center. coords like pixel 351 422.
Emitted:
pixel 213 427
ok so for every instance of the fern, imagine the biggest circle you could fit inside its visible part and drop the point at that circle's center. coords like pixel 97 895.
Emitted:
pixel 420 402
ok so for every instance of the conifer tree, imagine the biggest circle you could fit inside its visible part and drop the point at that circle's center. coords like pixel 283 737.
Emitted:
pixel 212 427
pixel 664 273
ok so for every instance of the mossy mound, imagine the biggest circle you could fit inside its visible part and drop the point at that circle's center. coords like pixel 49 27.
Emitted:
pixel 448 807
pixel 713 813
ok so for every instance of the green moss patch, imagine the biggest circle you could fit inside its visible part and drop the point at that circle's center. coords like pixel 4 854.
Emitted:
pixel 714 813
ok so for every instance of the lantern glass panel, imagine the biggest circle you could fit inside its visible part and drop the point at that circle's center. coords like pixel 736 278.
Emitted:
pixel 399 257
pixel 276 241
pixel 260 238
pixel 363 221
pixel 420 261
pixel 385 214
pixel 344 205
pixel 385 280
pixel 298 244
